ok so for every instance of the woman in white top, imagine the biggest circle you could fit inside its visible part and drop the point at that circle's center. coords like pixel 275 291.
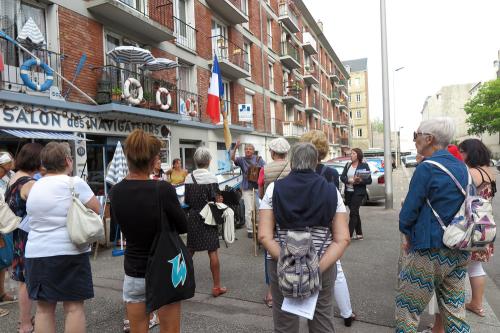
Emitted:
pixel 56 269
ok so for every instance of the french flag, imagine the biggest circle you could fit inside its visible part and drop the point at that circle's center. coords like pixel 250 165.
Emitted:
pixel 215 93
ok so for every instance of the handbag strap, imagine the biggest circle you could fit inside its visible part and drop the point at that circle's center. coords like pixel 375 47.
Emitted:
pixel 457 183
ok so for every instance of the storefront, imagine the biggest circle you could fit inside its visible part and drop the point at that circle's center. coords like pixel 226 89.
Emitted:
pixel 93 136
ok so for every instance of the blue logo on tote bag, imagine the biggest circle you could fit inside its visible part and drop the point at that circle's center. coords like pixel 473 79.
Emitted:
pixel 179 270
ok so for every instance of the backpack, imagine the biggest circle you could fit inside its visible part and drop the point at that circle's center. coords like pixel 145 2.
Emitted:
pixel 473 226
pixel 253 171
pixel 298 265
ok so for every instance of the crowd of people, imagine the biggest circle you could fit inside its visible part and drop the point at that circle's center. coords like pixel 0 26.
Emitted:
pixel 301 209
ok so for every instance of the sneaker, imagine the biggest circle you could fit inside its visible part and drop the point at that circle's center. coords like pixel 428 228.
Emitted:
pixel 348 321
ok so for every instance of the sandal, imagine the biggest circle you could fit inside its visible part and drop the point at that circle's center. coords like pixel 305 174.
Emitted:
pixel 154 321
pixel 6 298
pixel 126 326
pixel 477 311
pixel 216 292
pixel 4 312
pixel 268 302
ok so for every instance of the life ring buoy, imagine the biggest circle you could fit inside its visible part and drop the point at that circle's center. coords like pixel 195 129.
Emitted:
pixel 166 106
pixel 26 71
pixel 126 91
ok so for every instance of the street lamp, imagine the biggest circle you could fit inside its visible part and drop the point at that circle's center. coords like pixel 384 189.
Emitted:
pixel 394 92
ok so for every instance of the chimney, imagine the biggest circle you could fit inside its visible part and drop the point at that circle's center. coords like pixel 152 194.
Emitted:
pixel 320 25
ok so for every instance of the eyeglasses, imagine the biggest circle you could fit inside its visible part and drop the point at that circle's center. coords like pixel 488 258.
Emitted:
pixel 417 134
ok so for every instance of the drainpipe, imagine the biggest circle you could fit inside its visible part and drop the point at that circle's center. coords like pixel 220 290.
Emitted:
pixel 263 66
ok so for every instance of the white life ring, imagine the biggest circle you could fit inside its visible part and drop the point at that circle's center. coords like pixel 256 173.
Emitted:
pixel 126 91
pixel 166 106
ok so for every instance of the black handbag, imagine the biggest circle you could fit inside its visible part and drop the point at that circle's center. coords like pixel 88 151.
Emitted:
pixel 170 271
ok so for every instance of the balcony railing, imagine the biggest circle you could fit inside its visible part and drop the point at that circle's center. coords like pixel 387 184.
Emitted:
pixel 185 34
pixel 229 51
pixel 157 10
pixel 234 11
pixel 10 78
pixel 344 141
pixel 311 75
pixel 288 16
pixel 293 129
pixel 289 50
pixel 110 88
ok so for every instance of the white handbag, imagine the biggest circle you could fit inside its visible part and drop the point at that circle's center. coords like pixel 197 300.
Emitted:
pixel 84 225
pixel 8 220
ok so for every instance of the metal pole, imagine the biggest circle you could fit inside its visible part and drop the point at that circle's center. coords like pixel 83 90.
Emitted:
pixel 387 114
pixel 395 108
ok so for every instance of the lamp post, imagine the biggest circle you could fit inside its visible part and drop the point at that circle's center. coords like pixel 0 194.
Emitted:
pixel 387 112
pixel 398 147
pixel 394 93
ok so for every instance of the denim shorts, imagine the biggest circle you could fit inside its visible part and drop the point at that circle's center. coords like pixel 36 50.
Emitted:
pixel 134 289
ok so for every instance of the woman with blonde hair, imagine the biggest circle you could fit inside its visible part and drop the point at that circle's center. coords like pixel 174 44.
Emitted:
pixel 138 204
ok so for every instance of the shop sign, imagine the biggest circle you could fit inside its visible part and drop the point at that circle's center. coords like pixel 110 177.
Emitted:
pixel 245 113
pixel 26 117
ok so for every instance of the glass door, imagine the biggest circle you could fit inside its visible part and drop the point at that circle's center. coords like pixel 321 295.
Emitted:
pixel 187 156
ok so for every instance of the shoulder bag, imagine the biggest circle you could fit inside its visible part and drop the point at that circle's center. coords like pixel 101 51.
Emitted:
pixel 8 220
pixel 170 270
pixel 83 224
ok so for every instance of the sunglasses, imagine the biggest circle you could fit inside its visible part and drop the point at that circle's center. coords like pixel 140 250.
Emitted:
pixel 417 134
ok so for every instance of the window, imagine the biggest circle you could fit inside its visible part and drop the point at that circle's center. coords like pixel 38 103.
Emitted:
pixel 356 82
pixel 359 132
pixel 220 44
pixel 272 111
pixel 249 100
pixel 349 98
pixel 227 101
pixel 247 47
pixel 271 77
pixel 358 114
pixel 358 98
pixel 270 33
pixel 244 9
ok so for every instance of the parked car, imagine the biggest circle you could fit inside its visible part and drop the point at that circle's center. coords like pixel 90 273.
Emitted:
pixel 498 165
pixel 410 161
pixel 375 191
pixel 378 161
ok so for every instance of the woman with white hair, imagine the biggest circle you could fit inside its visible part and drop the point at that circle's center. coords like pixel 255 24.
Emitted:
pixel 429 265
pixel 201 187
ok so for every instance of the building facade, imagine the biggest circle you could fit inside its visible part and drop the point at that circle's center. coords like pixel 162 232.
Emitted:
pixel 272 54
pixel 359 102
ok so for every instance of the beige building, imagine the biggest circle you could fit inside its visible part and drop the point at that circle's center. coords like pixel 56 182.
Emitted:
pixel 358 97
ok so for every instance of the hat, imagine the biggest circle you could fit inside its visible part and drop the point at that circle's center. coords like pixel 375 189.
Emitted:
pixel 279 145
pixel 5 158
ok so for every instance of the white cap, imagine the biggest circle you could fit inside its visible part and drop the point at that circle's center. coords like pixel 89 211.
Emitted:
pixel 279 145
pixel 5 157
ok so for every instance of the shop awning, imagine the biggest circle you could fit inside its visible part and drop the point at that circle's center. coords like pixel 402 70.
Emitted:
pixel 31 134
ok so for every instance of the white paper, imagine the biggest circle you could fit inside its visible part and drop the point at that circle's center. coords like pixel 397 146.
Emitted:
pixel 25 224
pixel 303 307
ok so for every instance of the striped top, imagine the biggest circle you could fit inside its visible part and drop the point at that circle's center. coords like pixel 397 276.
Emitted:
pixel 318 233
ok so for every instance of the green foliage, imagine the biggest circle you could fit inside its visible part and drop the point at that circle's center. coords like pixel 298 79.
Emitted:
pixel 483 111
pixel 377 125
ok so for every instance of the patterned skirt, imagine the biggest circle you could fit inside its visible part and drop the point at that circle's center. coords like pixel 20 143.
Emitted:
pixel 18 270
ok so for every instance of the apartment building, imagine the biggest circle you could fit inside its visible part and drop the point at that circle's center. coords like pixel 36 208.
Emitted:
pixel 272 54
pixel 359 106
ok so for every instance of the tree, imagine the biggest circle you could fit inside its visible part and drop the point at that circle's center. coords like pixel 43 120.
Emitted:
pixel 483 110
pixel 377 125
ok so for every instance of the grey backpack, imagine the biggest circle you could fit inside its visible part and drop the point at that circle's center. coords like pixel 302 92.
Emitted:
pixel 298 265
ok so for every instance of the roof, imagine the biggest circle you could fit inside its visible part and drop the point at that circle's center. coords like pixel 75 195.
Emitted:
pixel 357 65
pixel 311 21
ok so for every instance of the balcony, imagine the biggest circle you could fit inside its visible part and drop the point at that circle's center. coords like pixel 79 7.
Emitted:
pixel 343 105
pixel 234 62
pixel 292 129
pixel 289 55
pixel 150 20
pixel 344 142
pixel 232 10
pixel 311 75
pixel 313 108
pixel 293 93
pixel 335 97
pixel 333 77
pixel 309 44
pixel 10 78
pixel 287 16
pixel 185 35
pixel 340 84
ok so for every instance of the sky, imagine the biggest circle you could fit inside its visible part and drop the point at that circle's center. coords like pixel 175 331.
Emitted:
pixel 438 42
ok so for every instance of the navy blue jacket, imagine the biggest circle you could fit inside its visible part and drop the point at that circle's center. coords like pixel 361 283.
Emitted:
pixel 359 188
pixel 416 219
pixel 304 199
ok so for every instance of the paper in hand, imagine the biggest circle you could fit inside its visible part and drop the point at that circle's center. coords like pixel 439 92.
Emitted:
pixel 303 307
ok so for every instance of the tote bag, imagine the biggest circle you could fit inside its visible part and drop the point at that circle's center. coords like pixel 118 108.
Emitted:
pixel 170 271
pixel 83 224
pixel 6 250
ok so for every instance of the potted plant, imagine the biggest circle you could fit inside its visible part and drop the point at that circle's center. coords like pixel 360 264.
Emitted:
pixel 116 94
pixel 298 122
pixel 148 99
